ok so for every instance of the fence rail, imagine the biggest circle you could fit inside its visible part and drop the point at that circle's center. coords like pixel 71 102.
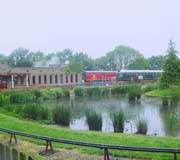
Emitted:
pixel 6 153
pixel 105 147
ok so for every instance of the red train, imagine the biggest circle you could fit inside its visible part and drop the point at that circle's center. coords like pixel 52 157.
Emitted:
pixel 99 77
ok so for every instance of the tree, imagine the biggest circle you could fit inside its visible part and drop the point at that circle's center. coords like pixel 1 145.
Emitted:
pixel 139 63
pixel 3 58
pixel 20 58
pixel 65 55
pixel 156 62
pixel 171 67
pixel 86 62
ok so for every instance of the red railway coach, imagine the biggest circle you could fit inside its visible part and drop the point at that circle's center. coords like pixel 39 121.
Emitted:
pixel 99 76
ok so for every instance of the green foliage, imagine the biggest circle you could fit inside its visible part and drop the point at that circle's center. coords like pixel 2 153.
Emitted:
pixel 93 120
pixel 171 74
pixel 134 91
pixel 4 99
pixel 66 92
pixel 31 111
pixel 37 92
pixel 141 126
pixel 21 96
pixel 105 91
pixel 119 89
pixel 79 91
pixel 35 112
pixel 156 62
pixel 93 91
pixel 118 120
pixel 61 116
pixel 20 58
pixel 149 87
pixel 74 67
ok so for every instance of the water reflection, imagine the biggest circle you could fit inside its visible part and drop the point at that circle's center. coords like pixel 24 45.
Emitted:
pixel 162 116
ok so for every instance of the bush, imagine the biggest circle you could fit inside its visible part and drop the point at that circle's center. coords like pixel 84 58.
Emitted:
pixel 93 91
pixel 134 91
pixel 61 116
pixel 105 91
pixel 4 99
pixel 31 111
pixel 37 93
pixel 119 89
pixel 149 87
pixel 66 92
pixel 118 119
pixel 142 127
pixel 21 96
pixel 79 91
pixel 48 94
pixel 93 120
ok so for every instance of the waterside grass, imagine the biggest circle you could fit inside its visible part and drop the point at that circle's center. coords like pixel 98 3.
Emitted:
pixel 94 137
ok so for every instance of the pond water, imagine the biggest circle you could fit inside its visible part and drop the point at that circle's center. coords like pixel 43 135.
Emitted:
pixel 162 120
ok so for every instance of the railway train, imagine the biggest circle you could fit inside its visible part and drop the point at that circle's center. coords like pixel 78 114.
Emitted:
pixel 114 77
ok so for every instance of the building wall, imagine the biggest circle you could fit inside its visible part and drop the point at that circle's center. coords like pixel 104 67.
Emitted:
pixel 53 75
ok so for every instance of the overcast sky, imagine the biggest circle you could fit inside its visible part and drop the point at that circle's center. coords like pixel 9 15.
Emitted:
pixel 91 26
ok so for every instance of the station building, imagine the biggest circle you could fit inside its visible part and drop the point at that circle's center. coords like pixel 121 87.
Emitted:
pixel 26 77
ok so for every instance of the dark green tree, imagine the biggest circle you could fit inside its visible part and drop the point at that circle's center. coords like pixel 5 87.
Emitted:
pixel 171 67
pixel 139 63
pixel 156 62
pixel 20 58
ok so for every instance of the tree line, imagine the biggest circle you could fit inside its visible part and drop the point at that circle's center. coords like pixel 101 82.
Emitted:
pixel 122 57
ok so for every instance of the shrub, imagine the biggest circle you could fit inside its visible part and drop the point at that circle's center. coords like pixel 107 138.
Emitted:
pixel 93 120
pixel 118 119
pixel 93 91
pixel 61 116
pixel 149 87
pixel 21 96
pixel 48 94
pixel 119 89
pixel 79 91
pixel 31 111
pixel 105 91
pixel 37 93
pixel 66 92
pixel 142 127
pixel 4 99
pixel 134 91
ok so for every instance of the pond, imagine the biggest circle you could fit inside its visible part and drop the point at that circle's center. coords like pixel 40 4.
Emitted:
pixel 162 120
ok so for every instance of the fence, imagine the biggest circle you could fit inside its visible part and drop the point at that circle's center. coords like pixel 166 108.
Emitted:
pixel 6 153
pixel 105 147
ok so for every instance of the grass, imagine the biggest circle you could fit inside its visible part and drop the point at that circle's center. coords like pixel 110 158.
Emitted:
pixel 118 120
pixel 163 93
pixel 95 137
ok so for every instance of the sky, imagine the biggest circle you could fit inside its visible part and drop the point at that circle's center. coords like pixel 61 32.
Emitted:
pixel 94 27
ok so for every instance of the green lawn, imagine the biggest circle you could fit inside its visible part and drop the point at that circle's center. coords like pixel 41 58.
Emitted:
pixel 164 93
pixel 96 137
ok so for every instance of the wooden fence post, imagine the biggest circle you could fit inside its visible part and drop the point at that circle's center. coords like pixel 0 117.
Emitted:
pixel 14 154
pixel 7 152
pixel 2 152
pixel 22 156
pixel 30 158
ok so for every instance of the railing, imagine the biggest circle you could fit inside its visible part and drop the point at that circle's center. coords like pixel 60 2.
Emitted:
pixel 6 153
pixel 105 147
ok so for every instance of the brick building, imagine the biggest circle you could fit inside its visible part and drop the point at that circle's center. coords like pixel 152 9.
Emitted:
pixel 52 76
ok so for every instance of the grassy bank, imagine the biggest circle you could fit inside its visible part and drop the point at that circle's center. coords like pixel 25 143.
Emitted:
pixel 164 93
pixel 96 137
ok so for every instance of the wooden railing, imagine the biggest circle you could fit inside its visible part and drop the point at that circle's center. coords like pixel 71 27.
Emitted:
pixel 7 153
pixel 105 147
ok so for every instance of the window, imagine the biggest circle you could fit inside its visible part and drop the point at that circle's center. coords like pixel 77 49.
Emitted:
pixel 50 79
pixel 22 80
pixel 39 78
pixel 71 78
pixel 61 78
pixel 33 79
pixel 45 79
pixel 76 77
pixel 66 78
pixel 56 79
